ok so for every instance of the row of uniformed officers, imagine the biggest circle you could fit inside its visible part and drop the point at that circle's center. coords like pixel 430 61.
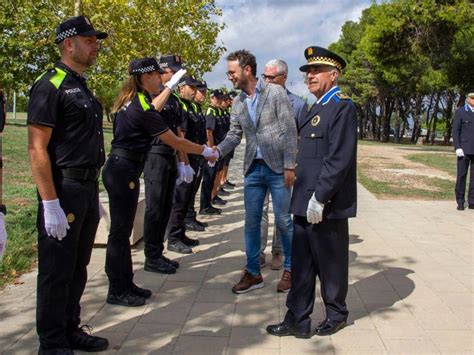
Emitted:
pixel 156 131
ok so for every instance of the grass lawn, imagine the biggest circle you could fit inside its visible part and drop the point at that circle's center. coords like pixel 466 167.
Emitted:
pixel 19 195
pixel 438 161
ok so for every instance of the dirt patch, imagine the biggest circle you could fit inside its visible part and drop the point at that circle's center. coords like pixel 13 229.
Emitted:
pixel 387 164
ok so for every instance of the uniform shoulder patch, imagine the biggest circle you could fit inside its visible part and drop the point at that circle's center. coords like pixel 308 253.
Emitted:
pixel 210 110
pixel 58 78
pixel 143 102
pixel 342 96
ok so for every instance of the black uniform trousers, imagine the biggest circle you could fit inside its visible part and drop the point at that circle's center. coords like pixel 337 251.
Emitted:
pixel 62 265
pixel 181 201
pixel 462 170
pixel 160 174
pixel 208 177
pixel 191 213
pixel 320 250
pixel 122 181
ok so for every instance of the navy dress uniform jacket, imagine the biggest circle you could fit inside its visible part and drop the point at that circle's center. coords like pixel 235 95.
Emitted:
pixel 463 129
pixel 326 157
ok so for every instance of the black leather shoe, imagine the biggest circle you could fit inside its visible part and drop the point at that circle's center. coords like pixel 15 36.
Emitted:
pixel 223 192
pixel 329 327
pixel 173 263
pixel 461 208
pixel 80 340
pixel 210 211
pixel 126 298
pixel 194 226
pixel 159 265
pixel 190 242
pixel 204 224
pixel 218 201
pixel 179 247
pixel 471 207
pixel 64 351
pixel 142 292
pixel 281 330
pixel 229 185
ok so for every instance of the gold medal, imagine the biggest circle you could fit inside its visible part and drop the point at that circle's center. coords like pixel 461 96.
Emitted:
pixel 131 185
pixel 70 217
pixel 315 120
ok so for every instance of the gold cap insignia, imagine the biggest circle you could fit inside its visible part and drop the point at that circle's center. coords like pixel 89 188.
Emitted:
pixel 70 217
pixel 315 120
pixel 310 51
pixel 131 185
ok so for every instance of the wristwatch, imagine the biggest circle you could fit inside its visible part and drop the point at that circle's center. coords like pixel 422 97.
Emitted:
pixel 3 209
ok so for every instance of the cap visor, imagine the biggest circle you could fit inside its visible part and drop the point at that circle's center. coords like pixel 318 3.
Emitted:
pixel 98 34
pixel 175 67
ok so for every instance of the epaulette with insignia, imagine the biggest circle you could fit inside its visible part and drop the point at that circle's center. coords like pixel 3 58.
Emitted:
pixel 342 96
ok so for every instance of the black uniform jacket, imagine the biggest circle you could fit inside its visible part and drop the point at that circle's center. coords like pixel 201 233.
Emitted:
pixel 463 129
pixel 326 157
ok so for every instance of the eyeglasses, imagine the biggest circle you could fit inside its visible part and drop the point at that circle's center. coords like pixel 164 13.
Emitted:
pixel 271 77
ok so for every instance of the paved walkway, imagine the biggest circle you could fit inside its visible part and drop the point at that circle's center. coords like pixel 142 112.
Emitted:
pixel 411 273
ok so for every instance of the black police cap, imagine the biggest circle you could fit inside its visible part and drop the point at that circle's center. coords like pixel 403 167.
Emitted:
pixel 188 80
pixel 217 94
pixel 144 65
pixel 317 56
pixel 171 61
pixel 77 26
pixel 202 85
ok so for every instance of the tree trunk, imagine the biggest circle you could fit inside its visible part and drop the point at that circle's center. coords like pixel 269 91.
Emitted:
pixel 435 118
pixel 417 119
pixel 428 120
pixel 77 7
pixel 397 120
pixel 449 117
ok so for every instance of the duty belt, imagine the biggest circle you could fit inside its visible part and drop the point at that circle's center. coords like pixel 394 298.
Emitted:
pixel 126 154
pixel 162 149
pixel 83 174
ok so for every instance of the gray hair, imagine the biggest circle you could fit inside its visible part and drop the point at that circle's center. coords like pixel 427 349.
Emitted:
pixel 280 64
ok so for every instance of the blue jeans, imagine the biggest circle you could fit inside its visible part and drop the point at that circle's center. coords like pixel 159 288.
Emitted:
pixel 259 179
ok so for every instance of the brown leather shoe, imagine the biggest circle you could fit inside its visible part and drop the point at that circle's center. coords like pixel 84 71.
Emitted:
pixel 277 262
pixel 263 262
pixel 284 284
pixel 248 282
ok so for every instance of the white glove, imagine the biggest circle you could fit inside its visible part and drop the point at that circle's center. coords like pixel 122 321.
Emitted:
pixel 208 152
pixel 459 153
pixel 188 174
pixel 101 210
pixel 171 84
pixel 314 212
pixel 181 173
pixel 3 236
pixel 55 221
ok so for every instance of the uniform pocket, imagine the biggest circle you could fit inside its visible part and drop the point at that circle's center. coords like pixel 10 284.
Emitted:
pixel 313 145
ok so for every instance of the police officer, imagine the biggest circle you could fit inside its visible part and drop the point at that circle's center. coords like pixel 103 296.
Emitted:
pixel 213 131
pixel 324 197
pixel 66 150
pixel 160 174
pixel 136 123
pixel 463 138
pixel 177 239
pixel 191 222
pixel 222 125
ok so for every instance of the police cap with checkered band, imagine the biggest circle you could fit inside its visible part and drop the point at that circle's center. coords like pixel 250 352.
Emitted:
pixel 318 56
pixel 77 26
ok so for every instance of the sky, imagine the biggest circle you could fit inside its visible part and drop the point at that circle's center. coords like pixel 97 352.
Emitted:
pixel 281 29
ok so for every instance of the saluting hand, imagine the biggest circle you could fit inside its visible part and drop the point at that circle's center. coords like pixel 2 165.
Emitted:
pixel 55 221
pixel 314 212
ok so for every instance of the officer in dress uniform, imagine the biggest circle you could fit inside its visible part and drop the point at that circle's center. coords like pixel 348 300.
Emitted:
pixel 160 174
pixel 213 125
pixel 136 123
pixel 463 138
pixel 191 222
pixel 177 239
pixel 324 197
pixel 66 150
